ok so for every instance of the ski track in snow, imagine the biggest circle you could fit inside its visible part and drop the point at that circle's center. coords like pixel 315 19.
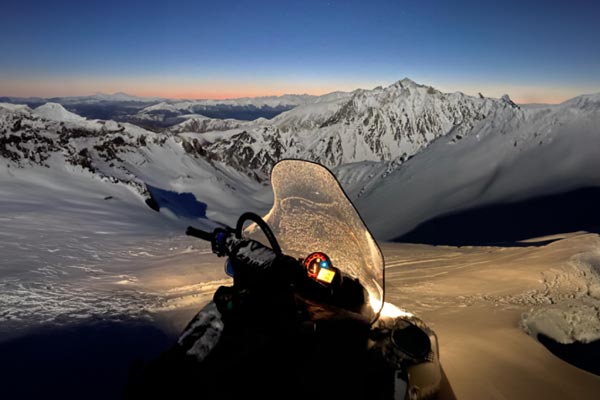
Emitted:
pixel 99 279
pixel 563 302
pixel 27 304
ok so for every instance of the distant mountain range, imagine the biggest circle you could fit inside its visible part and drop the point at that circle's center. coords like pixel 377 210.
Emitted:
pixel 406 153
pixel 95 98
pixel 158 113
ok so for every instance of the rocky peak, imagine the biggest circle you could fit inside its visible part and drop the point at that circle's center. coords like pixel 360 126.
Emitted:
pixel 407 83
pixel 506 99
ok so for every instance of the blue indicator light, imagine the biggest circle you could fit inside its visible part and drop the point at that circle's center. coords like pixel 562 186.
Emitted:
pixel 324 264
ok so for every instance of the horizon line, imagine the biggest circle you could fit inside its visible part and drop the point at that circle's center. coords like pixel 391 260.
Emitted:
pixel 470 90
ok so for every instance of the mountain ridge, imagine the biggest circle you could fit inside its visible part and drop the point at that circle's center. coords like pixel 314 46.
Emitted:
pixel 381 143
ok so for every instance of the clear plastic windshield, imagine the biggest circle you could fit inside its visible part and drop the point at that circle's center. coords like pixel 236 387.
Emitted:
pixel 312 213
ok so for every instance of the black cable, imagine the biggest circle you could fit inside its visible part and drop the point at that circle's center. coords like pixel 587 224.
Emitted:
pixel 250 216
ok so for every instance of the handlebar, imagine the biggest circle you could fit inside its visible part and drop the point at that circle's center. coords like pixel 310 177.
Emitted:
pixel 218 236
pixel 218 239
pixel 200 234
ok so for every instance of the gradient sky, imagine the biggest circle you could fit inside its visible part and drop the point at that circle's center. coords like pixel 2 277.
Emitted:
pixel 544 51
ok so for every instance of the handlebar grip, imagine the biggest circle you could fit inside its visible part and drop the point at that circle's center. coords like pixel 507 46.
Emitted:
pixel 200 234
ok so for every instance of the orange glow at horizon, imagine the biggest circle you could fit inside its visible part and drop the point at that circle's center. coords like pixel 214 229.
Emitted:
pixel 168 88
pixel 183 88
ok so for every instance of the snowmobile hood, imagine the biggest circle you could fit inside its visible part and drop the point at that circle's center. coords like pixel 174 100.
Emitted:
pixel 311 212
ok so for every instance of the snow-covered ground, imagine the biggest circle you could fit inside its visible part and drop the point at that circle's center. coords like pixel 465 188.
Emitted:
pixel 71 254
pixel 75 248
pixel 477 299
pixel 79 244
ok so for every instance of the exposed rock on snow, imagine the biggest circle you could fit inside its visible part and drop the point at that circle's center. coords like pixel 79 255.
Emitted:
pixel 120 152
pixel 383 124
pixel 200 124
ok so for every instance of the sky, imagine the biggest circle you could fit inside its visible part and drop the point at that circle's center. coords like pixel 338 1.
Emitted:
pixel 546 51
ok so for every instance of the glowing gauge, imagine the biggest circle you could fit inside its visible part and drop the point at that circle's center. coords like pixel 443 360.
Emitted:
pixel 318 267
pixel 326 275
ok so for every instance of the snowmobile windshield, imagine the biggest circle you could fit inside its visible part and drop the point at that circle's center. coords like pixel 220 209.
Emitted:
pixel 311 213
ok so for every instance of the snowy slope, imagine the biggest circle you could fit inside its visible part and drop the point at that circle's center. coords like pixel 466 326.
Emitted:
pixel 408 148
pixel 313 114
pixel 122 153
pixel 56 112
pixel 383 124
pixel 17 108
pixel 511 155
pixel 76 230
pixel 477 150
pixel 200 124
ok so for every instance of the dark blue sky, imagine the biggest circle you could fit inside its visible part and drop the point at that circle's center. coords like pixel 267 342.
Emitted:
pixel 543 50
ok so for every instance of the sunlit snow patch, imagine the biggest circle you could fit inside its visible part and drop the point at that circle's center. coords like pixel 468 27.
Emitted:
pixel 388 310
pixel 570 317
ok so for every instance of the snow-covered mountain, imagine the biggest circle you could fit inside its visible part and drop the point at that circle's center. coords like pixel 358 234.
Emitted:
pixel 384 124
pixel 407 149
pixel 247 108
pixel 511 155
pixel 264 101
pixel 80 246
pixel 94 98
pixel 109 151
pixel 158 113
pixel 119 96
pixel 117 106
pixel 200 124
pixel 56 112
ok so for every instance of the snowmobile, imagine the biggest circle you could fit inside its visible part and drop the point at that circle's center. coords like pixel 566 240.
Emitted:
pixel 305 316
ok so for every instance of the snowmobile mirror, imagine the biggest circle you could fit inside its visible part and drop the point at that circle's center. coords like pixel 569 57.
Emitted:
pixel 229 268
